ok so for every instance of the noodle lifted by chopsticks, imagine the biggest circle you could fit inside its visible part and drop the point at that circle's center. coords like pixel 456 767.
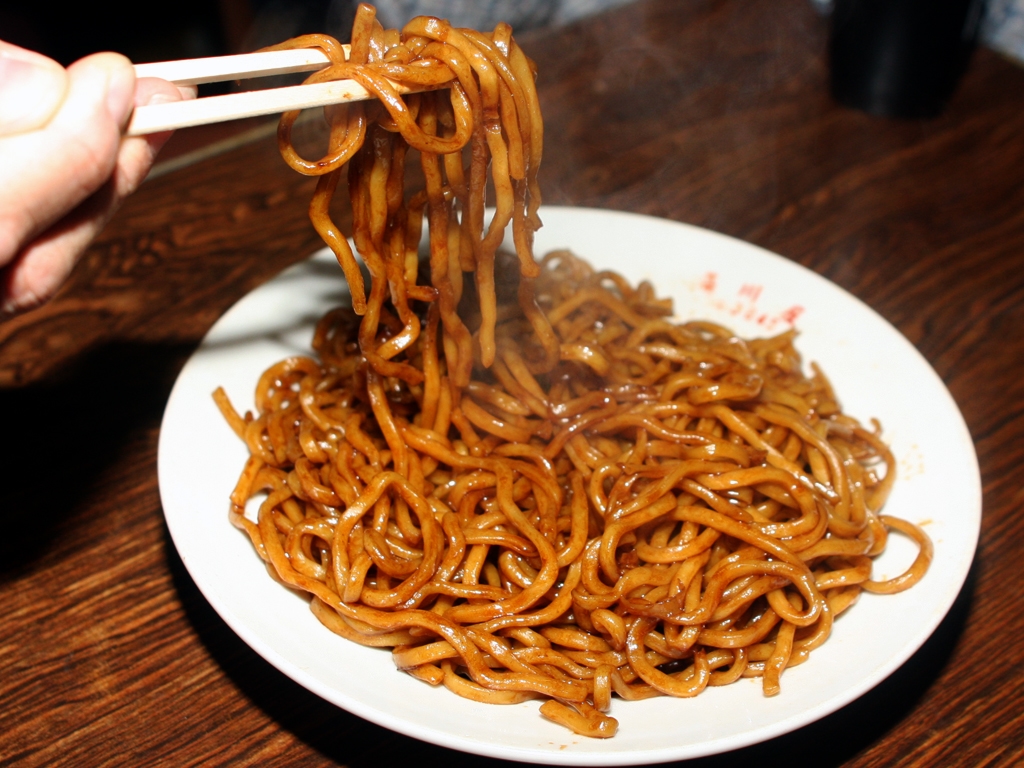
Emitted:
pixel 523 478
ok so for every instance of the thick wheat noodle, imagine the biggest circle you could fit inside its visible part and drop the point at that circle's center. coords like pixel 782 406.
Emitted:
pixel 528 481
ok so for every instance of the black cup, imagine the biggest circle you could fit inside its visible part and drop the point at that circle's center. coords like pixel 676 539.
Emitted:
pixel 900 58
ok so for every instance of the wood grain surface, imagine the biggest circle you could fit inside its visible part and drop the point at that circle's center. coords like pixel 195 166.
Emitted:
pixel 712 112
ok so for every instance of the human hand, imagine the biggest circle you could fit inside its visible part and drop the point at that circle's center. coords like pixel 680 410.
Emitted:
pixel 64 165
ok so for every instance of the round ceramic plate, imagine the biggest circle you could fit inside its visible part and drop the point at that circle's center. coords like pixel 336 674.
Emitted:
pixel 875 371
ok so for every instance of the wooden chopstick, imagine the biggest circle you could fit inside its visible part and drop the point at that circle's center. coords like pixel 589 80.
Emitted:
pixel 235 106
pixel 242 66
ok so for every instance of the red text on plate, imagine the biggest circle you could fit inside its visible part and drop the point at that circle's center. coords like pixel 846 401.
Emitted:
pixel 751 291
pixel 790 315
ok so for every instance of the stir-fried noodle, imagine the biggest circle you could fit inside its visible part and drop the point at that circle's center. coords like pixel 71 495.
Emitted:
pixel 524 478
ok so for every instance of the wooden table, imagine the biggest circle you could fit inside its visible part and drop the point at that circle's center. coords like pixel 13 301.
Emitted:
pixel 713 112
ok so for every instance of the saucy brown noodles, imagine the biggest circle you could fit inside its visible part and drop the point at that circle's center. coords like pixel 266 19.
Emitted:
pixel 522 477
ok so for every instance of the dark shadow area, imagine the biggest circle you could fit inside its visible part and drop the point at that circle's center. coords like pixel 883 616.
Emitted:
pixel 64 431
pixel 829 742
pixel 190 28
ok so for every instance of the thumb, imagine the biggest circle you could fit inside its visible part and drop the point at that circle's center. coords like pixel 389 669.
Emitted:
pixel 32 87
pixel 61 164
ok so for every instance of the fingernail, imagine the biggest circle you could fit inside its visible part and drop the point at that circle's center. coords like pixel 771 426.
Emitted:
pixel 121 92
pixel 32 88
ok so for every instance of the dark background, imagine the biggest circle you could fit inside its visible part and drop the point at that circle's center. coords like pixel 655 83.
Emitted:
pixel 186 29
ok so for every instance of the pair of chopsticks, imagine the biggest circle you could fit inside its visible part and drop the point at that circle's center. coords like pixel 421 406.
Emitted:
pixel 234 106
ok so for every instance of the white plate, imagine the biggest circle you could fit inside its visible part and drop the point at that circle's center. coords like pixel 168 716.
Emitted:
pixel 876 372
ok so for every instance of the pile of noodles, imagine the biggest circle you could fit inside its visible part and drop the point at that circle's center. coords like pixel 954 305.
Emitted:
pixel 524 478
